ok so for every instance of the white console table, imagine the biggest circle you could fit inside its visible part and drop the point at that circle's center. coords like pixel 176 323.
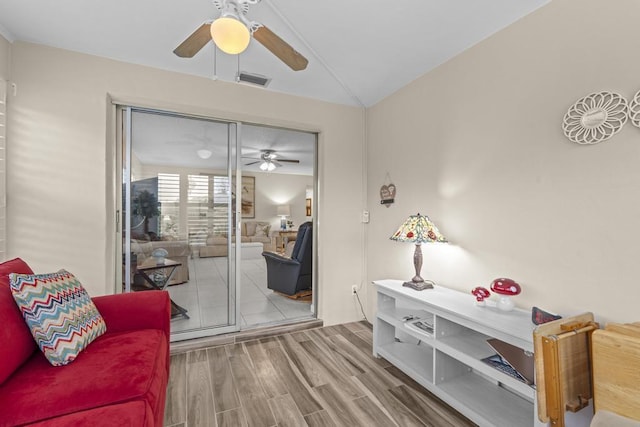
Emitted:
pixel 448 361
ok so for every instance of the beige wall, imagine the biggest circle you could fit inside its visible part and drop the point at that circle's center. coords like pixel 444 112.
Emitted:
pixel 5 58
pixel 280 189
pixel 60 181
pixel 477 145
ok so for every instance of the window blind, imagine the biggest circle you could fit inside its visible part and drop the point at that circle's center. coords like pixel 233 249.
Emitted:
pixel 169 198
pixel 197 208
pixel 3 170
pixel 207 209
pixel 221 189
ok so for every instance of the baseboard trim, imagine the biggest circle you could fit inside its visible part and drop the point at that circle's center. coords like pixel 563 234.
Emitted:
pixel 244 335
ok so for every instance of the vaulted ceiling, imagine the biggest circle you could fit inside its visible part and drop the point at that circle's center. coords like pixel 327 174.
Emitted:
pixel 359 51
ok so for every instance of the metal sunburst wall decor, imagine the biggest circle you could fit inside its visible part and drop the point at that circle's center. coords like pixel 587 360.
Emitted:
pixel 595 118
pixel 634 110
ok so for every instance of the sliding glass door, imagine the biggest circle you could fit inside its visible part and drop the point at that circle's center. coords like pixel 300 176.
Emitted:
pixel 219 214
pixel 178 178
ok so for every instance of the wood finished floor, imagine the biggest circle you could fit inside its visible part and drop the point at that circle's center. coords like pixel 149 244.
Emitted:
pixel 319 377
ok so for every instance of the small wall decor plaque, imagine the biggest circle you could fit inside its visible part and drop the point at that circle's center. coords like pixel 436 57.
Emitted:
pixel 387 194
pixel 595 118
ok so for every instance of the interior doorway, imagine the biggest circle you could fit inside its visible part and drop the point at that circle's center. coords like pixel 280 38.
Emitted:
pixel 206 206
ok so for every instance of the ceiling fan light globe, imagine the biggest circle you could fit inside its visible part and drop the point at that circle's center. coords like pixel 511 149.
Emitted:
pixel 230 35
pixel 204 153
pixel 264 166
pixel 271 167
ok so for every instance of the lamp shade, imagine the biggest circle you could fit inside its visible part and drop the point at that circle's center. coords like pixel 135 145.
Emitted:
pixel 230 35
pixel 284 210
pixel 418 229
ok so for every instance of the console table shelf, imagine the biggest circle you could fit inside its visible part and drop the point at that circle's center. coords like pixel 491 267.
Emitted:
pixel 412 359
pixel 447 357
pixel 485 404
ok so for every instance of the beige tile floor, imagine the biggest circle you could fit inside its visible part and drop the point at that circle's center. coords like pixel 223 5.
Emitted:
pixel 205 296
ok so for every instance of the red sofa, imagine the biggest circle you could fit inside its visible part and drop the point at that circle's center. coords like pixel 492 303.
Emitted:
pixel 120 379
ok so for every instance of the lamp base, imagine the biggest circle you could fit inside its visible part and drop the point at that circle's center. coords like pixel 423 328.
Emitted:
pixel 419 286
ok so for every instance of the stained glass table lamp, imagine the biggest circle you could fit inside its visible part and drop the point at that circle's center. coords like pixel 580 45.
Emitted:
pixel 418 229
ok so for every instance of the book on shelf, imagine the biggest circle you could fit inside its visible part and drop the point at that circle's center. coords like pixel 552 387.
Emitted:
pixel 422 326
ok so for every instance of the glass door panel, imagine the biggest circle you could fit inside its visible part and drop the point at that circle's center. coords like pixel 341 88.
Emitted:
pixel 277 265
pixel 177 216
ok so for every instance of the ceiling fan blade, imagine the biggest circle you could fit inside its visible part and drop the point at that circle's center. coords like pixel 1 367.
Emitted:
pixel 196 41
pixel 289 161
pixel 253 163
pixel 280 48
pixel 278 164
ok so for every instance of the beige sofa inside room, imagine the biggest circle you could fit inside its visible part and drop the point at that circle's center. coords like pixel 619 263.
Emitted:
pixel 250 232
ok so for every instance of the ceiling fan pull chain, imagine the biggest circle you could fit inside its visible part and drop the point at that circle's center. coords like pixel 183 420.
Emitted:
pixel 238 70
pixel 215 62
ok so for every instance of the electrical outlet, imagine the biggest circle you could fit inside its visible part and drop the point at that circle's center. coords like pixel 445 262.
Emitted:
pixel 354 289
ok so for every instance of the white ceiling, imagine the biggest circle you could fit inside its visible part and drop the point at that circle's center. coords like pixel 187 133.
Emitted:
pixel 359 51
pixel 173 141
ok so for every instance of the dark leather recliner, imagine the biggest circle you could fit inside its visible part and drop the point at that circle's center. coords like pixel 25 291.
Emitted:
pixel 292 275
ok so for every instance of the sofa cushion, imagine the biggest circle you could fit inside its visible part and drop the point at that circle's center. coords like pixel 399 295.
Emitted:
pixel 130 414
pixel 250 227
pixel 260 239
pixel 118 367
pixel 255 227
pixel 216 240
pixel 58 310
pixel 14 330
pixel 141 247
pixel 262 229
pixel 174 248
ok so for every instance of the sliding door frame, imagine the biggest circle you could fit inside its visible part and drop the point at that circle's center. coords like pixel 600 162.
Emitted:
pixel 234 171
pixel 114 117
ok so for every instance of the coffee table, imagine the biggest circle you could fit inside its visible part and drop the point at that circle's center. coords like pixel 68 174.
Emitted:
pixel 160 281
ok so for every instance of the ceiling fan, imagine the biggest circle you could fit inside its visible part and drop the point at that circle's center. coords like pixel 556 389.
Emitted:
pixel 231 32
pixel 268 160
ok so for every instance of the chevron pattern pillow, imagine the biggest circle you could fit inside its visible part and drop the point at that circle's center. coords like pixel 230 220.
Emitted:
pixel 58 310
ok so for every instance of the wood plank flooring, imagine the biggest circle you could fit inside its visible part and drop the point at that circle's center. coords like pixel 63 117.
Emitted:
pixel 320 377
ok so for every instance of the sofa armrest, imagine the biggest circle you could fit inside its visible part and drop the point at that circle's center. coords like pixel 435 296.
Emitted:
pixel 135 310
pixel 274 258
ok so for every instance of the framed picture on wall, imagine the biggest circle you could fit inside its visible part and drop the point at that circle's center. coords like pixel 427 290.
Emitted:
pixel 308 207
pixel 248 199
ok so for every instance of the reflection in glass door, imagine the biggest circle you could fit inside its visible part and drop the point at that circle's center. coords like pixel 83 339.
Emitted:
pixel 177 221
